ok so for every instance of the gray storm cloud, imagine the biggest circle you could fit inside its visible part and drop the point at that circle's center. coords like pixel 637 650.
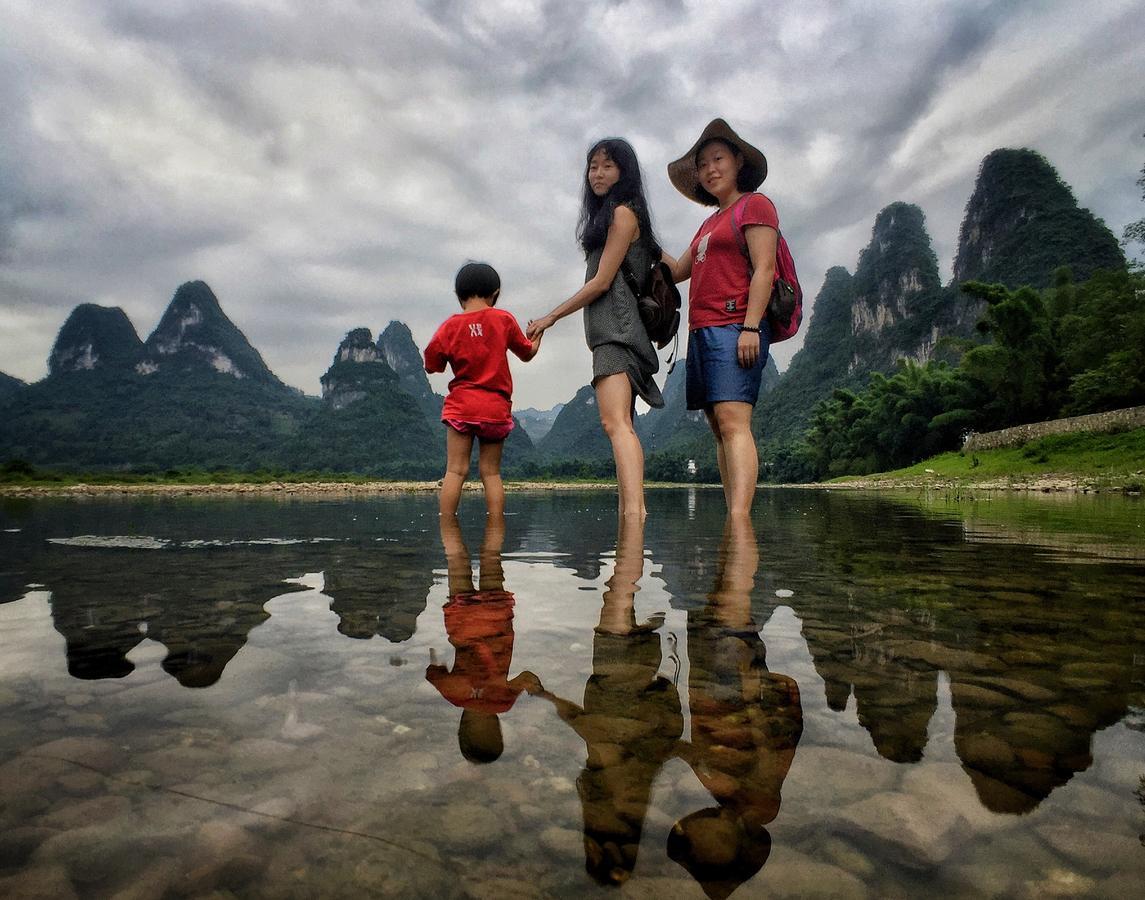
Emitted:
pixel 329 168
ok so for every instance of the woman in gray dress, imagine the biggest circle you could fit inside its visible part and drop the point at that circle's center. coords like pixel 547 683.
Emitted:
pixel 615 231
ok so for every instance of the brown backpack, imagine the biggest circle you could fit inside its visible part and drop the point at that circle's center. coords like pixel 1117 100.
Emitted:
pixel 657 298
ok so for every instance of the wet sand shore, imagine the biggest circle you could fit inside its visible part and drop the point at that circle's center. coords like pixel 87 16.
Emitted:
pixel 288 487
pixel 1049 483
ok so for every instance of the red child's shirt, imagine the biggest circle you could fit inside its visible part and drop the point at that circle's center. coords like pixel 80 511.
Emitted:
pixel 480 627
pixel 717 294
pixel 474 345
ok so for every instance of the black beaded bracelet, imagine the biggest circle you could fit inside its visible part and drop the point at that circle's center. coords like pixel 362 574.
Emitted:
pixel 754 329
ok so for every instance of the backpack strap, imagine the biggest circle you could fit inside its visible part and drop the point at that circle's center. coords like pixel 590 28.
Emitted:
pixel 626 267
pixel 741 240
pixel 630 277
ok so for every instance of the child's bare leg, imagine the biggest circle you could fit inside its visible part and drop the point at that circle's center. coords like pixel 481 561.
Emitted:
pixel 489 467
pixel 492 576
pixel 456 556
pixel 458 448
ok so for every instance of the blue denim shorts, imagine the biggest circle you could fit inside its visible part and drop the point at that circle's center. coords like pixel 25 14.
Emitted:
pixel 714 372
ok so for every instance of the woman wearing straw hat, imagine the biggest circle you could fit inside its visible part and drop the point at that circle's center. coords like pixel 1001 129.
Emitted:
pixel 731 263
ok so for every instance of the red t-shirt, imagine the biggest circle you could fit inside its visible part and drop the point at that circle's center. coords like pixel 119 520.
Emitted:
pixel 474 344
pixel 720 279
pixel 480 627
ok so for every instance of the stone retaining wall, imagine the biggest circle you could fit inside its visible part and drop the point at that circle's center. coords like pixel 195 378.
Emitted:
pixel 1099 423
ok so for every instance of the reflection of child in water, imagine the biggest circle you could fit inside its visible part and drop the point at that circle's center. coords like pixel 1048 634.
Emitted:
pixel 479 623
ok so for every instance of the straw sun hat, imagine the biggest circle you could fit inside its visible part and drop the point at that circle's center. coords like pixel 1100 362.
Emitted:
pixel 682 172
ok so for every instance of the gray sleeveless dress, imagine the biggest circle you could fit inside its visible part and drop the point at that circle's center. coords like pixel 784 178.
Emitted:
pixel 615 333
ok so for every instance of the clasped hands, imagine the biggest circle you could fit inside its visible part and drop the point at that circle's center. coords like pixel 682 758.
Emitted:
pixel 539 326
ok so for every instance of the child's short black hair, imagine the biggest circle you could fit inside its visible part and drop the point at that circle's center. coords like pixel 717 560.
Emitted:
pixel 476 279
pixel 479 736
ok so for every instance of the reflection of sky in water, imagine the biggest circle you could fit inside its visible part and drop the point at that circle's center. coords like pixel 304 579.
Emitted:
pixel 143 542
pixel 232 696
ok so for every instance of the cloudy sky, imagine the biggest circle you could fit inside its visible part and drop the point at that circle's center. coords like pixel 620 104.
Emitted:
pixel 329 165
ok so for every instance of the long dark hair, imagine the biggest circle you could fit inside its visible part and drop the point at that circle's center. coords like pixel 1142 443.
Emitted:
pixel 596 212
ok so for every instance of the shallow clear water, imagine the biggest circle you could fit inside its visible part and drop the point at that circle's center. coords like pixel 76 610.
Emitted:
pixel 857 696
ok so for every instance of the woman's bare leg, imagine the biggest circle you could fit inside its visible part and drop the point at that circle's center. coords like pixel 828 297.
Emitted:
pixel 721 462
pixel 739 469
pixel 618 613
pixel 614 401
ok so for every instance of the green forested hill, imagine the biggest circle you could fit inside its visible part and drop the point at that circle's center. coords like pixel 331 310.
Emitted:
pixel 1072 349
pixel 862 323
pixel 1022 222
pixel 576 433
pixel 897 292
pixel 194 333
pixel 121 420
pixel 821 364
pixel 197 395
pixel 672 426
pixel 9 387
pixel 396 346
pixel 384 434
pixel 95 337
pixel 130 422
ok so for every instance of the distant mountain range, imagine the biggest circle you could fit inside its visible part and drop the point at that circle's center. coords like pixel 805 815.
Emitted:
pixel 197 394
pixel 537 422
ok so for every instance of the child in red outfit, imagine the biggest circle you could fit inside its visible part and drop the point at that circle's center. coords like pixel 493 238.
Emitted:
pixel 474 343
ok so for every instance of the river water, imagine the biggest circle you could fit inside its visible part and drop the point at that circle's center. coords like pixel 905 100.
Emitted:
pixel 854 696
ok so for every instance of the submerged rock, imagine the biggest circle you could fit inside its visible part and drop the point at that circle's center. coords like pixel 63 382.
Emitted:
pixel 48 882
pixel 906 830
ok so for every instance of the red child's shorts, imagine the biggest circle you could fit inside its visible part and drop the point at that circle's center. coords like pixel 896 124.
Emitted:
pixel 483 431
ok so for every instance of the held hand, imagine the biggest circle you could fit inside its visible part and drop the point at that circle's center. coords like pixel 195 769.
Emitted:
pixel 537 327
pixel 747 349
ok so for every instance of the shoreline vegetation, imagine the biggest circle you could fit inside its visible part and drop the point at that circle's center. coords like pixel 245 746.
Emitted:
pixel 1081 463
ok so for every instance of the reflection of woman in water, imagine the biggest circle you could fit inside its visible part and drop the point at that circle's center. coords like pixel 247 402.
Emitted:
pixel 630 720
pixel 480 627
pixel 746 723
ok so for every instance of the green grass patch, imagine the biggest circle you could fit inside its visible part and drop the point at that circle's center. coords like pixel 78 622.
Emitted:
pixel 1116 459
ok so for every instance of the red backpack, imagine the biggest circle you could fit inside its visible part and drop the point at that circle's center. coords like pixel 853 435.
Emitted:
pixel 785 309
